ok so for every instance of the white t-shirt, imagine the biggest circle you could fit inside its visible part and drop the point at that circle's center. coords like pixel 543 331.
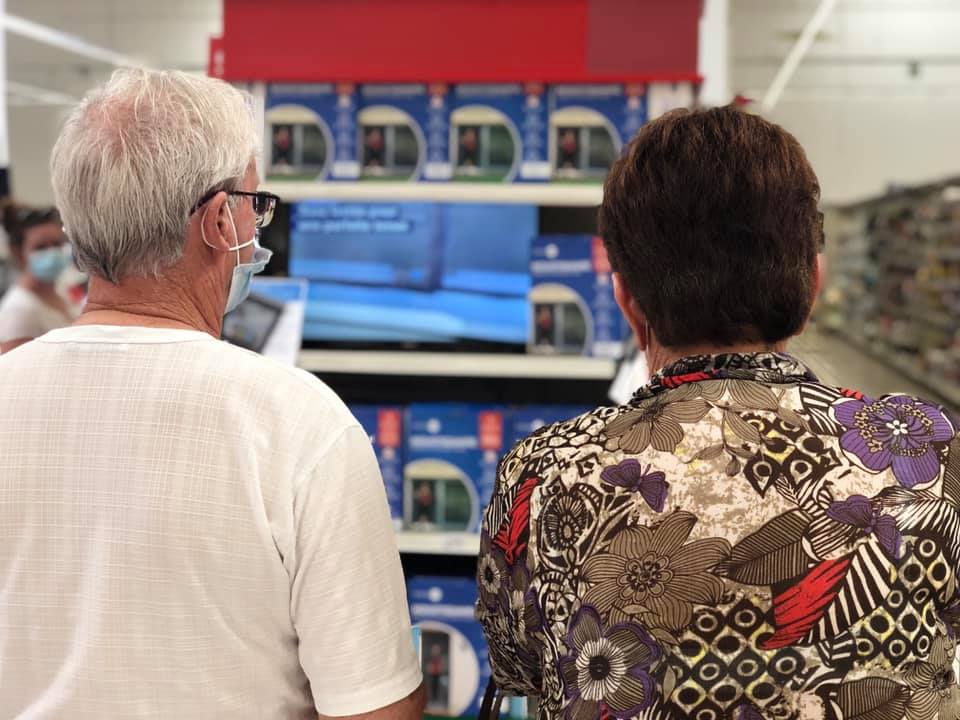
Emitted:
pixel 24 315
pixel 189 530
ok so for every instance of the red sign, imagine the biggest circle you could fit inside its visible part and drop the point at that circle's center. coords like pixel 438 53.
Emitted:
pixel 552 41
pixel 389 424
pixel 601 262
pixel 491 430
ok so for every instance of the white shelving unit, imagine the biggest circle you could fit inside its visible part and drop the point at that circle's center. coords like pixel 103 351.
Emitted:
pixel 456 364
pixel 560 194
pixel 441 543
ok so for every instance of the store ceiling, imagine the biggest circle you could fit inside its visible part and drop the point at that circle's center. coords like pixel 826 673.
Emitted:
pixel 169 34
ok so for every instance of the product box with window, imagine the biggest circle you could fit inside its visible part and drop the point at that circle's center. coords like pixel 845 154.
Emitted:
pixel 454 656
pixel 573 310
pixel 384 425
pixel 590 124
pixel 451 464
pixel 527 419
pixel 664 97
pixel 311 131
pixel 397 122
pixel 496 133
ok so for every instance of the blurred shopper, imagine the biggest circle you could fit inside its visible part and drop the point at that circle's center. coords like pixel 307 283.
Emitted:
pixel 189 530
pixel 33 306
pixel 739 540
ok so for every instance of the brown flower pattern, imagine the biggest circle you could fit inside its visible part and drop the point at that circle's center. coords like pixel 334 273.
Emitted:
pixel 715 548
pixel 651 574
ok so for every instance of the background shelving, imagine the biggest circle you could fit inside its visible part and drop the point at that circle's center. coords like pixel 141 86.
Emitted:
pixel 476 365
pixel 584 194
pixel 894 283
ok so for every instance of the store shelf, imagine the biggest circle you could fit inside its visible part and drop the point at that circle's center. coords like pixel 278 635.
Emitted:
pixel 556 194
pixel 355 362
pixel 941 388
pixel 438 543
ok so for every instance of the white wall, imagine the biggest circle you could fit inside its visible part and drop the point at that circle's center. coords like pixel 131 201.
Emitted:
pixel 166 33
pixel 864 119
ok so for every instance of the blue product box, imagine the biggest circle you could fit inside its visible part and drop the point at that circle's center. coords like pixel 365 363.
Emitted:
pixel 493 133
pixel 311 131
pixel 664 97
pixel 573 310
pixel 396 125
pixel 384 425
pixel 451 464
pixel 590 124
pixel 455 659
pixel 527 419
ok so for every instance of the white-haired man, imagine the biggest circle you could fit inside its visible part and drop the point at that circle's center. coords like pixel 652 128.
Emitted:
pixel 187 530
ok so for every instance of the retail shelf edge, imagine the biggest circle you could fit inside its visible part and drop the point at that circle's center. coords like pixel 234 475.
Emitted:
pixel 359 362
pixel 553 194
pixel 439 543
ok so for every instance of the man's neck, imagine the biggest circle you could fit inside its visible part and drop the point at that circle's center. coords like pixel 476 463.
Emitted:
pixel 659 357
pixel 147 302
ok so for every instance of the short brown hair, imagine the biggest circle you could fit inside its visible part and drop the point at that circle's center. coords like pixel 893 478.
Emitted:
pixel 711 219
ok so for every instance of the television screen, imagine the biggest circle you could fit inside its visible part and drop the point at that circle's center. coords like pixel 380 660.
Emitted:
pixel 413 272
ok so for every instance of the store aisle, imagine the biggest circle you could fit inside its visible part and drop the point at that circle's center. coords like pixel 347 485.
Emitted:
pixel 838 362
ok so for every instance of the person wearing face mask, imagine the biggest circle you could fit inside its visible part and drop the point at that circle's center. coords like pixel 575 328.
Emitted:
pixel 32 306
pixel 190 529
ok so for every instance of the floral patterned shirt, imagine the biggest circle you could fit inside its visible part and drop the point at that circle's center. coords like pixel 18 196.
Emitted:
pixel 739 541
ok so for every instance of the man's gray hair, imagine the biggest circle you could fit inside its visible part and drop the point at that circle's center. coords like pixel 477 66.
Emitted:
pixel 135 157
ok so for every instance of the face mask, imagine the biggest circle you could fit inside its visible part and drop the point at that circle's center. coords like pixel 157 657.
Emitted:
pixel 243 275
pixel 47 265
pixel 243 272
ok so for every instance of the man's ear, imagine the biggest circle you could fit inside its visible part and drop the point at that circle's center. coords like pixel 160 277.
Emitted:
pixel 628 306
pixel 215 225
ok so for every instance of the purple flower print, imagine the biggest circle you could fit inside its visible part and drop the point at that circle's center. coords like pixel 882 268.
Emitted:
pixel 631 476
pixel 858 511
pixel 607 672
pixel 895 432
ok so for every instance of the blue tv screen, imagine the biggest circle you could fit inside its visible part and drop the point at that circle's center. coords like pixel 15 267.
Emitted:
pixel 413 272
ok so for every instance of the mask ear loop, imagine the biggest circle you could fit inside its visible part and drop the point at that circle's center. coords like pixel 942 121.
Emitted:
pixel 238 247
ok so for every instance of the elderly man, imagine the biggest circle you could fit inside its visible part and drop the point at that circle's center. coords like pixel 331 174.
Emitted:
pixel 188 530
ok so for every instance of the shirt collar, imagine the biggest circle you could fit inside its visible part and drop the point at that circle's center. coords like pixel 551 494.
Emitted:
pixel 765 367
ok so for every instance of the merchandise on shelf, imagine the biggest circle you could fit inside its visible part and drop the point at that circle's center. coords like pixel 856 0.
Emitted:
pixel 384 425
pixel 664 97
pixel 396 122
pixel 573 310
pixel 590 124
pixel 311 132
pixel 494 133
pixel 527 419
pixel 436 273
pixel 452 453
pixel 895 282
pixel 455 660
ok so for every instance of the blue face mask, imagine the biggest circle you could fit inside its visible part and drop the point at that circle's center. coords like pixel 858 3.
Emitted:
pixel 243 275
pixel 47 265
pixel 243 272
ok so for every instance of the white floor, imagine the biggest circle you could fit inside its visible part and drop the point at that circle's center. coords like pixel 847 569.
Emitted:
pixel 839 363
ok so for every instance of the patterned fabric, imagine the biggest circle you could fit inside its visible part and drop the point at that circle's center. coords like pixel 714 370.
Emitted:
pixel 739 541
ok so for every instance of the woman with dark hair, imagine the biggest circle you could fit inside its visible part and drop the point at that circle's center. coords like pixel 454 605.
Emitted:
pixel 739 540
pixel 32 307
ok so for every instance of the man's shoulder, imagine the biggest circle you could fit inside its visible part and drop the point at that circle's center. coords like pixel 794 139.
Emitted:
pixel 289 385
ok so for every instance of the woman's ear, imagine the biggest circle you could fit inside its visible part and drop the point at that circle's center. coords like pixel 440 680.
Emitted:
pixel 628 306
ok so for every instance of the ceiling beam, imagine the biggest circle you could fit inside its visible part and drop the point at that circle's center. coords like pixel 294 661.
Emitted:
pixel 65 41
pixel 24 94
pixel 793 58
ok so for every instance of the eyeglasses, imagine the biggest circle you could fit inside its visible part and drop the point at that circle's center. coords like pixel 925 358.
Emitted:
pixel 264 203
